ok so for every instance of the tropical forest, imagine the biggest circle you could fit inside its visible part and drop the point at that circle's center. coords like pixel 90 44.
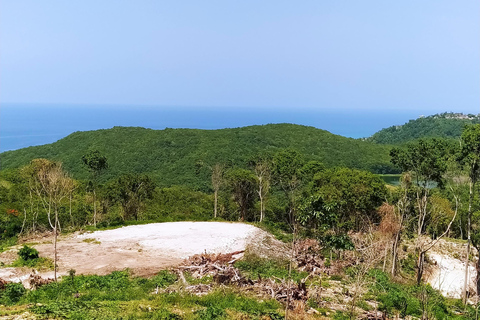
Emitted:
pixel 276 221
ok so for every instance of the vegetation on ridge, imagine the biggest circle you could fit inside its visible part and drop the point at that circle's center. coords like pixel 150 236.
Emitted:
pixel 444 125
pixel 348 229
pixel 170 156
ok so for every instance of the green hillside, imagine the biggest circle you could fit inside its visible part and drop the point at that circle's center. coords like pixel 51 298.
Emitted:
pixel 170 155
pixel 445 125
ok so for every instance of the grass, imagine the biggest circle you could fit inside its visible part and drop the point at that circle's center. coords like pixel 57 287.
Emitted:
pixel 256 267
pixel 120 296
pixel 38 263
pixel 91 240
pixel 8 243
pixel 277 230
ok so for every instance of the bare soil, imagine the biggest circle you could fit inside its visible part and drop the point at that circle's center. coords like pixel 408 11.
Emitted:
pixel 447 269
pixel 144 249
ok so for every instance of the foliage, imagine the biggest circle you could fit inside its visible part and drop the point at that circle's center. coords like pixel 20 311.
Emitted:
pixel 28 253
pixel 242 183
pixel 120 296
pixel 342 199
pixel 12 293
pixel 95 162
pixel 169 156
pixel 445 125
pixel 413 300
pixel 178 203
pixel 256 267
pixel 131 191
pixel 426 158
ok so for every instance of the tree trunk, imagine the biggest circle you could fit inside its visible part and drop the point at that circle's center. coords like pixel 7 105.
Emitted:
pixel 385 258
pixel 477 278
pixel 215 204
pixel 55 246
pixel 470 197
pixel 94 208
pixel 420 266
pixel 261 206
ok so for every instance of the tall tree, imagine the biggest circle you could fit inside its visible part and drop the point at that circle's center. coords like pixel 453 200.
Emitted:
pixel 217 181
pixel 286 171
pixel 96 163
pixel 52 185
pixel 470 156
pixel 132 191
pixel 425 160
pixel 242 183
pixel 262 168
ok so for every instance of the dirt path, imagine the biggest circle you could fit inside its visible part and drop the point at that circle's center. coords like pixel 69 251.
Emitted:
pixel 145 249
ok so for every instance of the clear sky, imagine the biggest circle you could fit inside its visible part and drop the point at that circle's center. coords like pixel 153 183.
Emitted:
pixel 329 54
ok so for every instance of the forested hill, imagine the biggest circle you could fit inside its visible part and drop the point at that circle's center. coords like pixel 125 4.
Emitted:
pixel 170 155
pixel 445 125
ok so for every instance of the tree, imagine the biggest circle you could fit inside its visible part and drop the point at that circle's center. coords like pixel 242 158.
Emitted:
pixel 262 169
pixel 217 178
pixel 286 172
pixel 52 185
pixel 470 157
pixel 96 163
pixel 402 213
pixel 342 199
pixel 426 161
pixel 132 191
pixel 217 181
pixel 242 183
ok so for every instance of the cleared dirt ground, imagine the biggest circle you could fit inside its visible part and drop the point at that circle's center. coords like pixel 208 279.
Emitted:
pixel 144 249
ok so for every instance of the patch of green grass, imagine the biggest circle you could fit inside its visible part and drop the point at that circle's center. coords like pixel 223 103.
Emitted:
pixel 28 257
pixel 415 300
pixel 91 240
pixel 336 277
pixel 41 263
pixel 194 281
pixel 119 296
pixel 5 244
pixel 256 267
pixel 278 230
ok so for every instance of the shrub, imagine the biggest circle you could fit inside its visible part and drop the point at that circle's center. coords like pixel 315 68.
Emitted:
pixel 28 253
pixel 12 293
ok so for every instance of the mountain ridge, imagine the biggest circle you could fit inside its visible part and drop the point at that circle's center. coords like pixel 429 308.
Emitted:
pixel 170 155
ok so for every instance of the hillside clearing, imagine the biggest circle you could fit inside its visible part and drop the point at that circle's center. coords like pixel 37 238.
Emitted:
pixel 144 249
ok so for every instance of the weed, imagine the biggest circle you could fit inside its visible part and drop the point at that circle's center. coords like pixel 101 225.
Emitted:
pixel 12 293
pixel 91 240
pixel 28 253
pixel 257 267
pixel 38 263
pixel 336 277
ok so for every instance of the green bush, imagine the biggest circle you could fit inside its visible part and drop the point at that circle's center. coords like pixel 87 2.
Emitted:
pixel 12 293
pixel 28 253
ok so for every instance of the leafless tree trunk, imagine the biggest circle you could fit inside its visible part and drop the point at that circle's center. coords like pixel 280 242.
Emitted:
pixel 469 224
pixel 262 172
pixel 217 181
pixel 424 248
pixel 52 186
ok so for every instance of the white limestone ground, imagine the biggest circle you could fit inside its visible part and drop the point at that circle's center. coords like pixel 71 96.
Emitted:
pixel 144 249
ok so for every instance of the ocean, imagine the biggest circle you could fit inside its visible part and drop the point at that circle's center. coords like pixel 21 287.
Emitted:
pixel 24 125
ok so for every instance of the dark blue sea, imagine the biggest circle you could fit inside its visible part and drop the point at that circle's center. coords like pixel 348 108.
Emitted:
pixel 23 125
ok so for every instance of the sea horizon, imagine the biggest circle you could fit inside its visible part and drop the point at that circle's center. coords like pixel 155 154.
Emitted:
pixel 23 125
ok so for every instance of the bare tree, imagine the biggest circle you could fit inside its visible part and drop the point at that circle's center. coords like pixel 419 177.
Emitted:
pixel 52 185
pixel 217 181
pixel 263 174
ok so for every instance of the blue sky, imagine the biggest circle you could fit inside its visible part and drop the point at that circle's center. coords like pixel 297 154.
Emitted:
pixel 313 55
